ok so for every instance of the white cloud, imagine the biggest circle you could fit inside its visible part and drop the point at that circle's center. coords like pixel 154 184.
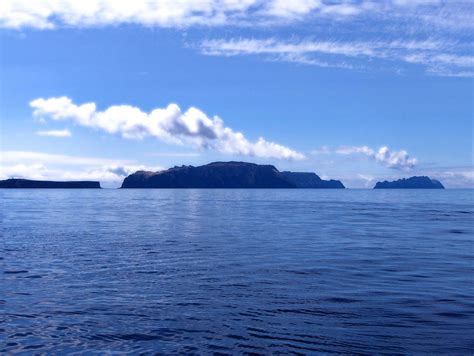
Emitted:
pixel 454 177
pixel 345 150
pixel 168 124
pixel 384 155
pixel 291 9
pixel 366 177
pixel 31 171
pixel 438 57
pixel 363 181
pixel 350 29
pixel 55 133
pixel 50 14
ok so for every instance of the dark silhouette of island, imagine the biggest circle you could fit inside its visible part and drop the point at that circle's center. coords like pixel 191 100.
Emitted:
pixel 226 175
pixel 44 184
pixel 411 183
pixel 311 180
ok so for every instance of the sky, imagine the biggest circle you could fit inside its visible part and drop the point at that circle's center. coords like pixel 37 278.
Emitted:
pixel 356 90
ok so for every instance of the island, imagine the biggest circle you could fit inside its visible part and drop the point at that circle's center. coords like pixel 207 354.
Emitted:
pixel 44 184
pixel 311 180
pixel 422 182
pixel 226 175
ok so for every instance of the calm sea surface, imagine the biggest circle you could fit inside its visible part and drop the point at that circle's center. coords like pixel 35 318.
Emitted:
pixel 237 271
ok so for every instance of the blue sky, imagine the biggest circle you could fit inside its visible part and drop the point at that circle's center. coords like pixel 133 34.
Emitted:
pixel 353 90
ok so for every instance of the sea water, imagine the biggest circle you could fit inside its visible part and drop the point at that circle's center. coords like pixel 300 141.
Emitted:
pixel 237 271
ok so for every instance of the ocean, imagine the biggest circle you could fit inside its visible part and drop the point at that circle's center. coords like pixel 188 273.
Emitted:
pixel 237 271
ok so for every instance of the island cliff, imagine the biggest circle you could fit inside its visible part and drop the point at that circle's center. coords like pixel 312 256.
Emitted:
pixel 225 175
pixel 43 184
pixel 411 183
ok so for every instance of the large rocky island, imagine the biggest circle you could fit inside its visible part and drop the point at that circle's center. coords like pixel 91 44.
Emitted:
pixel 422 182
pixel 44 184
pixel 227 175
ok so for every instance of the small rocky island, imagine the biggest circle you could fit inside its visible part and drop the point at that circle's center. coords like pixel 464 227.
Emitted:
pixel 422 182
pixel 227 175
pixel 311 180
pixel 44 184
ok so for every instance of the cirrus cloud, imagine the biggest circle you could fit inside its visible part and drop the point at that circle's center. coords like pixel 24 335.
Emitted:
pixel 438 57
pixel 169 124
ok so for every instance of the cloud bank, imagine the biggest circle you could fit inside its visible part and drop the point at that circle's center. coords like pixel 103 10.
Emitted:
pixel 39 165
pixel 169 124
pixel 107 174
pixel 455 177
pixel 384 155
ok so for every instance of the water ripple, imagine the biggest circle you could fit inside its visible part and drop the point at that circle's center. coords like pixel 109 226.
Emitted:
pixel 237 272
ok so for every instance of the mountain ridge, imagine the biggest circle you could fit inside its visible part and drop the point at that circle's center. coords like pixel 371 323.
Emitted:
pixel 232 174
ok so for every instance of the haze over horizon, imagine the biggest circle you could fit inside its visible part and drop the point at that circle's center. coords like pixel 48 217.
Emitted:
pixel 359 91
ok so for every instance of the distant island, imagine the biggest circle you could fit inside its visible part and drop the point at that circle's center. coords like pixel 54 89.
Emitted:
pixel 43 184
pixel 411 183
pixel 311 180
pixel 223 175
pixel 227 175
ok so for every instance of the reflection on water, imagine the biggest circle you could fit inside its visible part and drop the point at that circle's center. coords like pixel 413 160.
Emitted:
pixel 224 271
